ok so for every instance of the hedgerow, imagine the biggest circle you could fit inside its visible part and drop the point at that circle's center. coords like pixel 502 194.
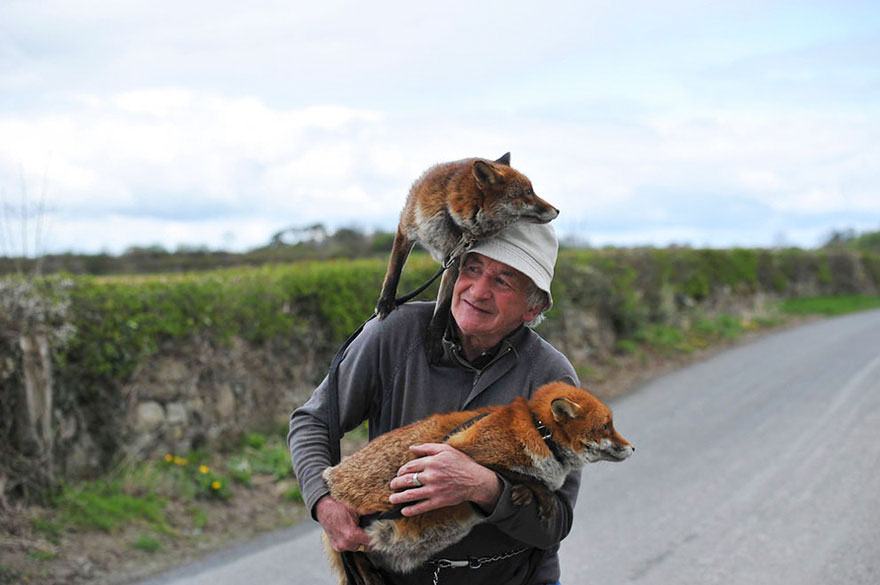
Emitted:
pixel 114 324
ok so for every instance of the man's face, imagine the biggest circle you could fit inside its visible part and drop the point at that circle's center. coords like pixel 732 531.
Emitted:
pixel 490 300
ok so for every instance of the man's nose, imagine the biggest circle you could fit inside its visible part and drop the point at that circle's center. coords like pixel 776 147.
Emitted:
pixel 482 287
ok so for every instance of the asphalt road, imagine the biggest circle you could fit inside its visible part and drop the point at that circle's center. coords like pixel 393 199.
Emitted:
pixel 758 466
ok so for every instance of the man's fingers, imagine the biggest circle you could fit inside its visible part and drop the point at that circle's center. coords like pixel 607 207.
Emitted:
pixel 410 495
pixel 421 507
pixel 425 453
pixel 428 448
pixel 351 540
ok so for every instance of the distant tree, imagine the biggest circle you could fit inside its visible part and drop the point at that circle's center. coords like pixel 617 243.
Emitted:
pixel 315 234
pixel 840 238
pixel 151 250
pixel 849 239
pixel 192 249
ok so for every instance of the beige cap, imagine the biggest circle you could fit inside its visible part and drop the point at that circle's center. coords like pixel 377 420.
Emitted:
pixel 531 248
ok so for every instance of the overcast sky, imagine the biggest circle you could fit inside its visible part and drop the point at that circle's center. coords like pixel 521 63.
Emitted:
pixel 752 123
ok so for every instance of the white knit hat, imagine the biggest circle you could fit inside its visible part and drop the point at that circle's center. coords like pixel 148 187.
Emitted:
pixel 529 247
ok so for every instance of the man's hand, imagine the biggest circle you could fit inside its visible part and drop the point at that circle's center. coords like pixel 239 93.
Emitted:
pixel 448 477
pixel 341 525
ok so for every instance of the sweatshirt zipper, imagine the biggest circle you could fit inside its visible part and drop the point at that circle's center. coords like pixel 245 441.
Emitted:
pixel 497 357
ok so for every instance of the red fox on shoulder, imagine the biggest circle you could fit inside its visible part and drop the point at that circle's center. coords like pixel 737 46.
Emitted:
pixel 456 202
pixel 534 444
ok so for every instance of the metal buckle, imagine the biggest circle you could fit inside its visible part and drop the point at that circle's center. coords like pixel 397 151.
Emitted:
pixel 449 564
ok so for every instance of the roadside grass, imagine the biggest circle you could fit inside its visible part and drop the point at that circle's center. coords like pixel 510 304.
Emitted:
pixel 166 498
pixel 146 543
pixel 691 335
pixel 830 306
pixel 8 575
pixel 702 332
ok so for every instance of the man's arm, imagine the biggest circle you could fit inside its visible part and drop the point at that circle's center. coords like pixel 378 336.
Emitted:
pixel 450 477
pixel 308 438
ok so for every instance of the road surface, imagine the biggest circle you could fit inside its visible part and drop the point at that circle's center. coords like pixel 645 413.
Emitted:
pixel 760 465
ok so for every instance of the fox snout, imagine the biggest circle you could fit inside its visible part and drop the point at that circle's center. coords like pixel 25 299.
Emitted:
pixel 606 449
pixel 542 212
pixel 535 210
pixel 617 452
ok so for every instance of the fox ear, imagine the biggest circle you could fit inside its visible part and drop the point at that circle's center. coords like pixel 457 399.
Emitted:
pixel 564 408
pixel 484 173
pixel 504 160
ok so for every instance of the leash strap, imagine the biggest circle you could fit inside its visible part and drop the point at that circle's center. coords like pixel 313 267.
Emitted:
pixel 334 432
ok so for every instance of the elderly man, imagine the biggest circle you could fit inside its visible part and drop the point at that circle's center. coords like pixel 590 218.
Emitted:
pixel 490 357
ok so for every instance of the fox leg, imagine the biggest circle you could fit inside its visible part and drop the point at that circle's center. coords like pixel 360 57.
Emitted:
pixel 364 570
pixel 525 489
pixel 399 252
pixel 352 568
pixel 440 320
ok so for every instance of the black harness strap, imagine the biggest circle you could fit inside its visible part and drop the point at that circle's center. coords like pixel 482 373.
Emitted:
pixel 465 425
pixel 392 514
pixel 334 432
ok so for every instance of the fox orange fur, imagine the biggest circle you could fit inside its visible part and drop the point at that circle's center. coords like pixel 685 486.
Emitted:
pixel 472 199
pixel 505 439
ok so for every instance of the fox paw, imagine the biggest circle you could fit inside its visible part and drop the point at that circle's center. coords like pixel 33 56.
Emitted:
pixel 546 507
pixel 384 307
pixel 520 495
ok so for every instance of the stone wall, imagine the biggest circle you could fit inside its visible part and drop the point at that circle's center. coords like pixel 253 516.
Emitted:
pixel 197 395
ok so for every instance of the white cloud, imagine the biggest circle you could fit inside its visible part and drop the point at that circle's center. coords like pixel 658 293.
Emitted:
pixel 632 121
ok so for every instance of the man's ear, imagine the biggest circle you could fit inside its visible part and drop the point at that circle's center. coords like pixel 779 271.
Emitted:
pixel 484 173
pixel 563 408
pixel 531 313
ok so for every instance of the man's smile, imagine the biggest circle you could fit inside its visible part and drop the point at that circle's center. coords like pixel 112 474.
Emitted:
pixel 475 307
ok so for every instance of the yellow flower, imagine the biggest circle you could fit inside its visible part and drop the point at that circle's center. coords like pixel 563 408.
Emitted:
pixel 216 485
pixel 169 457
pixel 203 469
pixel 180 461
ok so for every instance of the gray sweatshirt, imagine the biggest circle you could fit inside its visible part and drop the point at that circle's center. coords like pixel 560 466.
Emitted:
pixel 385 378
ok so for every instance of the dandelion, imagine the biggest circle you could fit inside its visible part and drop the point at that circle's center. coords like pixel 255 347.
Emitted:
pixel 180 461
pixel 169 458
pixel 203 469
pixel 216 485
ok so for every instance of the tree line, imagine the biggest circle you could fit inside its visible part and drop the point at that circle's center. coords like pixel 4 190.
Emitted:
pixel 292 244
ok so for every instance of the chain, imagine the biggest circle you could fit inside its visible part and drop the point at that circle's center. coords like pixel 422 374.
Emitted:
pixel 472 563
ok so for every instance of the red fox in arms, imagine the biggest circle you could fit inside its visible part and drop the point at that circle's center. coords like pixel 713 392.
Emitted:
pixel 472 199
pixel 534 443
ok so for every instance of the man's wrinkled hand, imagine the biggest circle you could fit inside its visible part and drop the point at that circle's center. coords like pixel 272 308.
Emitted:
pixel 447 477
pixel 340 523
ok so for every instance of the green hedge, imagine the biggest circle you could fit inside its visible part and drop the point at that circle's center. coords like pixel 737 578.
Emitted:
pixel 121 321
